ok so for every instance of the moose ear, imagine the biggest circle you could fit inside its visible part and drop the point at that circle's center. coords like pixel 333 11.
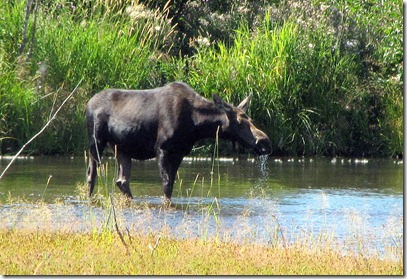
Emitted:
pixel 244 105
pixel 220 103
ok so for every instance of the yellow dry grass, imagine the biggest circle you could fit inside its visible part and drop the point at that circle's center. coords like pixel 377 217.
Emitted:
pixel 29 252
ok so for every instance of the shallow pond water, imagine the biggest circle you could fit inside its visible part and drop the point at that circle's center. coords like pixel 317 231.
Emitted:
pixel 356 204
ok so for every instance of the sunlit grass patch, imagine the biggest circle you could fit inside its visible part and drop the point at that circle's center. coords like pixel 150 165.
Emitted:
pixel 33 252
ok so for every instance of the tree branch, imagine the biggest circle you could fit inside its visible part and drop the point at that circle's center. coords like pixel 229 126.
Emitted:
pixel 42 130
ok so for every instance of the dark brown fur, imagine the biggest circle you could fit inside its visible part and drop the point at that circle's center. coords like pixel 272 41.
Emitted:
pixel 165 123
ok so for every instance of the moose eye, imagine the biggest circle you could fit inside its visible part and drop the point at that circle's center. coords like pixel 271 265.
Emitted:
pixel 245 116
pixel 242 117
pixel 243 123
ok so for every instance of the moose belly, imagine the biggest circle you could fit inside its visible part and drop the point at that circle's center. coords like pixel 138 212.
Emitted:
pixel 137 143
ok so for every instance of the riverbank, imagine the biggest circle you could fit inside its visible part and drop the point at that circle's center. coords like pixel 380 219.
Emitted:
pixel 326 79
pixel 38 252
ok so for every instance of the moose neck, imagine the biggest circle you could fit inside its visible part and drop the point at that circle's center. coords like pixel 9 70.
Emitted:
pixel 208 120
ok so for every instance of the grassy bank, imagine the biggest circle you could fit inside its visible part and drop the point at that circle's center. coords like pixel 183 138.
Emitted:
pixel 46 253
pixel 326 77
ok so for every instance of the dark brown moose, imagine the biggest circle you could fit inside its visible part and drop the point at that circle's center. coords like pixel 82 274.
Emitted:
pixel 164 122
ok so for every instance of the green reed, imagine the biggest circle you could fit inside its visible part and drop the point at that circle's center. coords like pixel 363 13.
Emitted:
pixel 326 80
pixel 308 90
pixel 274 63
pixel 69 44
pixel 105 49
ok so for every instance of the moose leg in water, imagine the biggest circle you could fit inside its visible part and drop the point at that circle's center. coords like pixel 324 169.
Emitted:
pixel 123 173
pixel 168 165
pixel 91 175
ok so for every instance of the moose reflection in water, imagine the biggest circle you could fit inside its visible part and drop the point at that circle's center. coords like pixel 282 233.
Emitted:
pixel 164 122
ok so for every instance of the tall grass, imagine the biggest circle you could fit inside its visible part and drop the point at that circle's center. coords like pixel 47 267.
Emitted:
pixel 104 50
pixel 326 79
pixel 300 83
pixel 17 108
pixel 70 43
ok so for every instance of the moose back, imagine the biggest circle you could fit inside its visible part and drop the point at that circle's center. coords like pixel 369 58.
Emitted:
pixel 163 122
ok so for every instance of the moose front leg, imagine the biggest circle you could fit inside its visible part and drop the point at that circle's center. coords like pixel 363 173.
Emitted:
pixel 123 174
pixel 168 165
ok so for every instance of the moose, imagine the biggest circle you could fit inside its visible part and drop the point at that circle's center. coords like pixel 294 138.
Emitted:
pixel 163 122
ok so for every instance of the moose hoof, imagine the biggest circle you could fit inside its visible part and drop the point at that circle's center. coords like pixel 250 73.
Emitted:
pixel 124 188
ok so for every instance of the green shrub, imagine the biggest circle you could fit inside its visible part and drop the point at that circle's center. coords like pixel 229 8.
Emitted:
pixel 297 79
pixel 69 44
pixel 326 76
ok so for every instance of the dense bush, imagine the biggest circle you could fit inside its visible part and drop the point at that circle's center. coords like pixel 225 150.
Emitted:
pixel 326 76
pixel 310 69
pixel 70 43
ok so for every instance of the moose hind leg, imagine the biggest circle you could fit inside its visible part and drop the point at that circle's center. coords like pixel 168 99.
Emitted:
pixel 91 175
pixel 94 160
pixel 123 174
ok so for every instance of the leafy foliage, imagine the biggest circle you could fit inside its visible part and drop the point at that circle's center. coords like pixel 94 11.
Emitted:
pixel 326 75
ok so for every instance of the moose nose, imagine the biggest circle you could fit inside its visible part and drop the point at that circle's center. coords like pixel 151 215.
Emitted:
pixel 263 146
